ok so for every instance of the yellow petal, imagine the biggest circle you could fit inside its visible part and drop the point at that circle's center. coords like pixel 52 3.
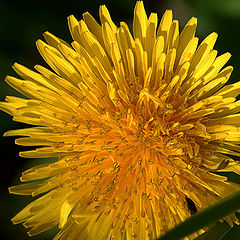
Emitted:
pixel 140 22
pixel 164 27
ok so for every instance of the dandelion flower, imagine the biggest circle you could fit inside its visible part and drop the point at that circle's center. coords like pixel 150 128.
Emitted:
pixel 139 124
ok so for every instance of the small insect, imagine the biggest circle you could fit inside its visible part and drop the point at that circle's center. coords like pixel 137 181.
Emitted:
pixel 191 206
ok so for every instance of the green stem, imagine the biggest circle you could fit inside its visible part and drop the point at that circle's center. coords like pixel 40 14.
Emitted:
pixel 205 217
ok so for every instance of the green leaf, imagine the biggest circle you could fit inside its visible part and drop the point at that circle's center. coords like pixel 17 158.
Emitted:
pixel 205 217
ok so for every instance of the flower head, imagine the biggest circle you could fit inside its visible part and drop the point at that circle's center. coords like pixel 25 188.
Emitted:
pixel 140 124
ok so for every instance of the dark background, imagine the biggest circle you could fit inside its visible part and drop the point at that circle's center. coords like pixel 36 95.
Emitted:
pixel 23 22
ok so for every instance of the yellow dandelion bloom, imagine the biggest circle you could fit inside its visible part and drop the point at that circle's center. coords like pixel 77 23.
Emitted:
pixel 139 124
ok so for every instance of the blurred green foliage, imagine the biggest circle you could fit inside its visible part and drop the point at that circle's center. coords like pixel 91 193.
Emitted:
pixel 23 22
